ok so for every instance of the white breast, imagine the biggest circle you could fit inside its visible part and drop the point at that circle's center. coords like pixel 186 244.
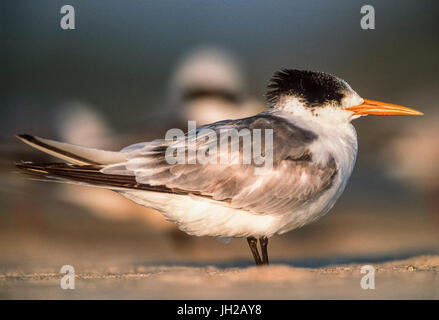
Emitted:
pixel 340 142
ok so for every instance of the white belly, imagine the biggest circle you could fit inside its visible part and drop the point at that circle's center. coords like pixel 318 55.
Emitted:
pixel 204 217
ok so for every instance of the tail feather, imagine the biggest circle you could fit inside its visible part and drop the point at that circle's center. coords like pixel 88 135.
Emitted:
pixel 88 175
pixel 84 168
pixel 73 153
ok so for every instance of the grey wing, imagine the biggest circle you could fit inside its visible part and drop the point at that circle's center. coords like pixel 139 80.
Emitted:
pixel 292 181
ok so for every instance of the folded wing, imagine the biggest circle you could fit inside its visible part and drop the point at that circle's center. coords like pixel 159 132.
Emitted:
pixel 293 180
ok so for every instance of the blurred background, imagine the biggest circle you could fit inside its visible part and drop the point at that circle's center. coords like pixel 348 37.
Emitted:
pixel 132 69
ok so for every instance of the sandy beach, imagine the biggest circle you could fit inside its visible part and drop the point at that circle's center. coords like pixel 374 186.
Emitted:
pixel 415 278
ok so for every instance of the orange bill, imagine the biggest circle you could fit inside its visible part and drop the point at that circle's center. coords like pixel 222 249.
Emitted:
pixel 383 109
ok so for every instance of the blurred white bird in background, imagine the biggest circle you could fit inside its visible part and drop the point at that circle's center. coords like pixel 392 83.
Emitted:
pixel 208 85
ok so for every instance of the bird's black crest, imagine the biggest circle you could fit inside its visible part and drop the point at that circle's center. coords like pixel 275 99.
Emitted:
pixel 314 88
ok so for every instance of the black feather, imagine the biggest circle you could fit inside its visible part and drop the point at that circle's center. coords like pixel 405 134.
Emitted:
pixel 89 174
pixel 313 88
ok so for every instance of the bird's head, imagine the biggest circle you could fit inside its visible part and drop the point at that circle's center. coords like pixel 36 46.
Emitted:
pixel 323 97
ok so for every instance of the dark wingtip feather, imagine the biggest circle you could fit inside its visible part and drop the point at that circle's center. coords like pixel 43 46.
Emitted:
pixel 91 175
pixel 26 137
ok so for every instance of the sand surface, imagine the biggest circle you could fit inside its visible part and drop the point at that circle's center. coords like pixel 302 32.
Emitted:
pixel 415 278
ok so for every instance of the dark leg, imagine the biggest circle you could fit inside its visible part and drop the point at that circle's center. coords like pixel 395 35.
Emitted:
pixel 253 244
pixel 264 243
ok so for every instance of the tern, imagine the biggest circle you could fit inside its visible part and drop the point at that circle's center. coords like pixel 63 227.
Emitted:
pixel 208 85
pixel 314 149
